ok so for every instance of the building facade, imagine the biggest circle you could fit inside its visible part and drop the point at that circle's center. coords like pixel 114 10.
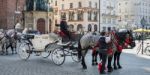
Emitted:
pixel 80 14
pixel 10 13
pixel 39 16
pixel 130 13
pixel 108 14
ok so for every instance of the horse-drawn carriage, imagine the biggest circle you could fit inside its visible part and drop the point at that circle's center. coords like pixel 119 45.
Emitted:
pixel 47 45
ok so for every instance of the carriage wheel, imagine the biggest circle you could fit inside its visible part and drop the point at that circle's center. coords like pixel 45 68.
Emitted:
pixel 147 50
pixel 58 56
pixel 46 54
pixel 23 54
pixel 74 56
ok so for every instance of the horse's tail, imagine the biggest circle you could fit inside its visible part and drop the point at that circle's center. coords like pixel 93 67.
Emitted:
pixel 79 50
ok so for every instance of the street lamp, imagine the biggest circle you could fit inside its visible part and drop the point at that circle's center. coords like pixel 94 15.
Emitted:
pixel 143 23
pixel 99 15
pixel 48 5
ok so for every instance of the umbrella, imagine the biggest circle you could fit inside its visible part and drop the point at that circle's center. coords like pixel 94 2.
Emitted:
pixel 141 30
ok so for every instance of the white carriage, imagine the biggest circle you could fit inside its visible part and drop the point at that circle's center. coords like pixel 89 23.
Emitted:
pixel 45 45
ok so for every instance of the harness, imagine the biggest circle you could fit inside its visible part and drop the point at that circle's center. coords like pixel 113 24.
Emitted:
pixel 1 38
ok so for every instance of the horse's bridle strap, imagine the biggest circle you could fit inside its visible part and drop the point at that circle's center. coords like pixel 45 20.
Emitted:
pixel 2 38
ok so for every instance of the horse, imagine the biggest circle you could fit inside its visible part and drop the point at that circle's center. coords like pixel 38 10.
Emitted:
pixel 86 42
pixel 119 37
pixel 9 40
pixel 122 39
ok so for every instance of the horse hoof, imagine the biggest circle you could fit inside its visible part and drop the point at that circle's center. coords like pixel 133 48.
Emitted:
pixel 110 69
pixel 93 64
pixel 119 67
pixel 84 67
pixel 96 63
pixel 115 68
pixel 102 72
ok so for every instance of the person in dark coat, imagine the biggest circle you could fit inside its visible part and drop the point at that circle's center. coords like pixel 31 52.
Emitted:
pixel 103 47
pixel 64 28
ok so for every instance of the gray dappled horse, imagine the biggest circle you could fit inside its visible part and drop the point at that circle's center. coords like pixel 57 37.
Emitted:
pixel 9 39
pixel 86 42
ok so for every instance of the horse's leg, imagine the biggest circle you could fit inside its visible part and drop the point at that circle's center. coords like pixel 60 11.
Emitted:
pixel 110 69
pixel 115 57
pixel 15 47
pixel 118 60
pixel 96 53
pixel 93 57
pixel 83 59
pixel 12 49
pixel 7 46
pixel 2 52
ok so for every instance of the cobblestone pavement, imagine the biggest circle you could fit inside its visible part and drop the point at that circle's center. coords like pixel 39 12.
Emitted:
pixel 36 65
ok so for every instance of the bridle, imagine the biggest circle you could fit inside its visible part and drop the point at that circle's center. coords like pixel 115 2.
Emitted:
pixel 2 37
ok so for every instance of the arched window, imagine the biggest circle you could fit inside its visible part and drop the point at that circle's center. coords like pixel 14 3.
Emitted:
pixel 79 27
pixel 95 27
pixel 71 27
pixel 89 27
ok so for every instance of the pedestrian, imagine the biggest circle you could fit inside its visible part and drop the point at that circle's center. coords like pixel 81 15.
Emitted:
pixel 103 47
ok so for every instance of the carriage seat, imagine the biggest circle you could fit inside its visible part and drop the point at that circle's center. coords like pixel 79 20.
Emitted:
pixel 29 36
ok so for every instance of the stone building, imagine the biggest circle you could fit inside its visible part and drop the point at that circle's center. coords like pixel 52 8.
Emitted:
pixel 10 13
pixel 39 16
pixel 80 14
pixel 130 13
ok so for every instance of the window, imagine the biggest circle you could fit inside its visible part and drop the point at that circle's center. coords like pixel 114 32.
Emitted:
pixel 90 4
pixel 63 15
pixel 109 28
pixel 71 5
pixel 95 27
pixel 119 4
pixel 114 21
pixel 55 3
pixel 104 20
pixel 89 27
pixel 95 16
pixel 95 5
pixel 109 20
pixel 62 6
pixel 79 27
pixel 80 15
pixel 126 3
pixel 104 28
pixel 80 4
pixel 119 10
pixel 71 16
pixel 89 15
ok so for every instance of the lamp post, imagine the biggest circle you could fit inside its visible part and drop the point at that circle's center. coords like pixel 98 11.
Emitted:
pixel 99 15
pixel 143 23
pixel 48 5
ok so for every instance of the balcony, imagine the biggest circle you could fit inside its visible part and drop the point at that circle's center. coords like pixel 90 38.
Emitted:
pixel 109 15
pixel 110 7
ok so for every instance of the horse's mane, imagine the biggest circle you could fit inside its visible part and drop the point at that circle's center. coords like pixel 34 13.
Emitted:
pixel 121 36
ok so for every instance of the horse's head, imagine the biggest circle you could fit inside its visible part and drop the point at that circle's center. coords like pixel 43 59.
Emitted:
pixel 126 37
